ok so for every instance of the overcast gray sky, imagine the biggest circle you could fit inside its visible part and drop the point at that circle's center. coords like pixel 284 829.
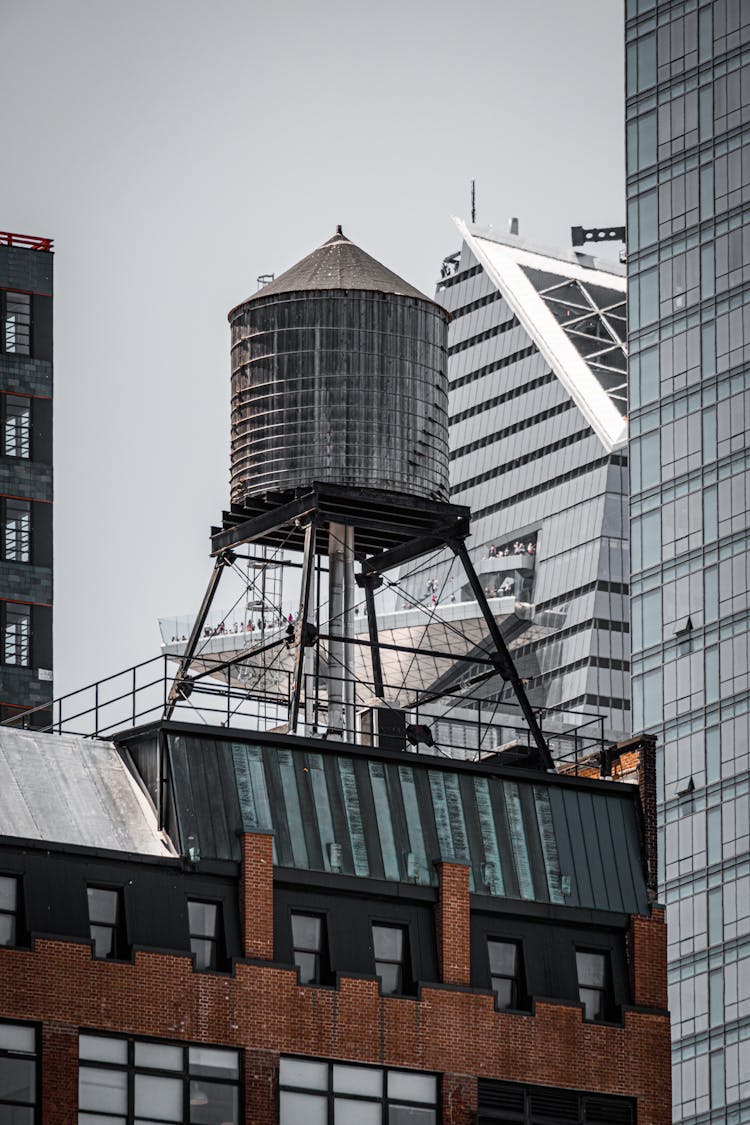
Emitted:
pixel 175 149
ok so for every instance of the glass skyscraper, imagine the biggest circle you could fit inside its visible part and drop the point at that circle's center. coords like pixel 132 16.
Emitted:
pixel 688 187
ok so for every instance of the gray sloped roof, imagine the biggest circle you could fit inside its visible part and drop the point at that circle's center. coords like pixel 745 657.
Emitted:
pixel 339 264
pixel 522 838
pixel 72 790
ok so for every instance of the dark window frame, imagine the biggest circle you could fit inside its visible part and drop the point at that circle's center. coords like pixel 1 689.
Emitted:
pixel 120 950
pixel 218 959
pixel 184 1074
pixel 17 914
pixel 7 502
pixel 605 991
pixel 26 641
pixel 406 975
pixel 26 433
pixel 36 1105
pixel 384 1100
pixel 519 995
pixel 5 293
pixel 322 973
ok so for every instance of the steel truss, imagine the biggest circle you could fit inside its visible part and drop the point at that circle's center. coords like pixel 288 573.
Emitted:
pixel 389 530
pixel 597 329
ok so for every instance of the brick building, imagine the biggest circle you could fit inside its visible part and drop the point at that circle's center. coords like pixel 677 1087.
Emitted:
pixel 345 934
pixel 25 473
pixel 291 917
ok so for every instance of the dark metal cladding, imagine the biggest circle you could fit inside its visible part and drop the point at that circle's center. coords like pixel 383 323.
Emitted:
pixel 339 376
pixel 549 840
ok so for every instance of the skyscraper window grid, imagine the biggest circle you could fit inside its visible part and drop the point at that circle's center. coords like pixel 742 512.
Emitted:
pixel 688 188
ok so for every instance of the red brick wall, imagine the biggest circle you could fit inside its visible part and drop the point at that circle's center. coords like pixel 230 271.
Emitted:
pixel 647 790
pixel 256 892
pixel 452 923
pixel 262 1010
pixel 459 1098
pixel 60 1056
pixel 647 954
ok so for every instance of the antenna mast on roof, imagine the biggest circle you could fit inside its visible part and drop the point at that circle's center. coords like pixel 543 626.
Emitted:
pixel 473 201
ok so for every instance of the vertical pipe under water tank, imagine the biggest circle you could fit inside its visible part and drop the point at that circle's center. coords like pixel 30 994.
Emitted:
pixel 341 624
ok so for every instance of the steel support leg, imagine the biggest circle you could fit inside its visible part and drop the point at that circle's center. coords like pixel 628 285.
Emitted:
pixel 223 560
pixel 303 627
pixel 340 626
pixel 505 665
pixel 370 582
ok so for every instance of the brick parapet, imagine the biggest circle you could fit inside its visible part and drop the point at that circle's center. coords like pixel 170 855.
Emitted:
pixel 256 895
pixel 647 957
pixel 262 1008
pixel 647 791
pixel 452 924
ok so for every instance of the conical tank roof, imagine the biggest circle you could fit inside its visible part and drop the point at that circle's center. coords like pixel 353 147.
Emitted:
pixel 339 264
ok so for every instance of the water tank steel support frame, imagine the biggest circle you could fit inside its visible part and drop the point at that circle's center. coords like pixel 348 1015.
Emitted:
pixel 382 533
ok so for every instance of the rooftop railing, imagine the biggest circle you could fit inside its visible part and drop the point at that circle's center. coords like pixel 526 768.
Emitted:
pixel 26 241
pixel 249 696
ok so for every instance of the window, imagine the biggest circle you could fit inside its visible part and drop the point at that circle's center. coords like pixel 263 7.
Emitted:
pixel 122 1079
pixel 205 935
pixel 646 620
pixel 16 634
pixel 645 464
pixel 641 142
pixel 9 909
pixel 316 1093
pixel 18 1077
pixel 16 540
pixel 389 947
pixel 106 922
pixel 16 425
pixel 641 64
pixel 642 221
pixel 542 1105
pixel 15 311
pixel 593 983
pixel 505 973
pixel 648 700
pixel 308 940
pixel 645 539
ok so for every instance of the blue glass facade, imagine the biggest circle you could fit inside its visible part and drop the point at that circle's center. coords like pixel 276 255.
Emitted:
pixel 688 187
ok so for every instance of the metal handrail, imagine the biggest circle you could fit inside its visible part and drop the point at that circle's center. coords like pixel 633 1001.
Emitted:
pixel 29 241
pixel 483 731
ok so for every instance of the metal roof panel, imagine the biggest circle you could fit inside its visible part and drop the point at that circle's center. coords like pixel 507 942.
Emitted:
pixel 342 811
pixel 71 790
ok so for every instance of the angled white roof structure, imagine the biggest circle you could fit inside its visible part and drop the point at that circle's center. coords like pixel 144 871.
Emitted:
pixel 573 309
pixel 73 790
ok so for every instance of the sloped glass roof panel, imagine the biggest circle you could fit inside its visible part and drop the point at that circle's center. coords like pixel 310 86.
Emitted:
pixel 593 318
